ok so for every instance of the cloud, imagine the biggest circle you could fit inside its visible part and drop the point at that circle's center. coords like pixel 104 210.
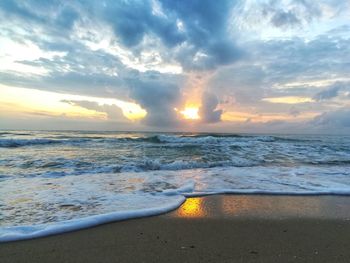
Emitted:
pixel 282 18
pixel 283 68
pixel 54 13
pixel 30 121
pixel 208 111
pixel 331 92
pixel 159 100
pixel 335 119
pixel 294 111
pixel 113 112
pixel 208 41
pixel 136 19
pixel 195 33
pixel 289 14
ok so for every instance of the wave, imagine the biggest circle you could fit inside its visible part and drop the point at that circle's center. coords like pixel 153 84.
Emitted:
pixel 155 165
pixel 214 138
pixel 15 133
pixel 330 162
pixel 194 139
pixel 292 140
pixel 69 168
pixel 13 143
pixel 157 139
pixel 76 167
pixel 67 137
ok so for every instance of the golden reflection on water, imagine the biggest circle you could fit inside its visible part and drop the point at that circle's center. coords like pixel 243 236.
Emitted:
pixel 192 207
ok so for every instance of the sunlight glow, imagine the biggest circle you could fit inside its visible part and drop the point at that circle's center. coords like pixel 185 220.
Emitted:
pixel 237 116
pixel 23 100
pixel 190 113
pixel 288 100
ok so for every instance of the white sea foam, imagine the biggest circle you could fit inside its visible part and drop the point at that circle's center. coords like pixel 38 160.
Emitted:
pixel 28 232
pixel 68 203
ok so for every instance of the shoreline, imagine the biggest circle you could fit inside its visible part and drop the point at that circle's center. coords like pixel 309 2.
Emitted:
pixel 218 228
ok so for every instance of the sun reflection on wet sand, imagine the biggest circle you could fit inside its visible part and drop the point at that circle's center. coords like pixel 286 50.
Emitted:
pixel 239 205
pixel 272 206
pixel 264 206
pixel 192 207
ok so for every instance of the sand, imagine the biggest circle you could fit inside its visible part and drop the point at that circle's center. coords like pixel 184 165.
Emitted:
pixel 223 228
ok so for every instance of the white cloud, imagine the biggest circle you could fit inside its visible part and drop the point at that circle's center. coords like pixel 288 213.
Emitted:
pixel 15 55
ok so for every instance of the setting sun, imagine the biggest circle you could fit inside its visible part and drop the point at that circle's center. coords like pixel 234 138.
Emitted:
pixel 190 113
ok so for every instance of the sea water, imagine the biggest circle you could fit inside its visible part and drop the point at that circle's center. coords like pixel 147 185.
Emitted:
pixel 54 181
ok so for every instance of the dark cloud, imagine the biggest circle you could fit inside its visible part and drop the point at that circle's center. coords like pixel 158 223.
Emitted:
pixel 67 17
pixel 80 71
pixel 93 84
pixel 331 92
pixel 54 14
pixel 290 14
pixel 280 19
pixel 208 111
pixel 132 20
pixel 209 57
pixel 159 100
pixel 334 119
pixel 14 8
pixel 208 43
pixel 299 13
pixel 202 41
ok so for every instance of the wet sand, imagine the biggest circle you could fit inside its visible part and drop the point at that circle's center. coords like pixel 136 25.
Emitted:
pixel 222 228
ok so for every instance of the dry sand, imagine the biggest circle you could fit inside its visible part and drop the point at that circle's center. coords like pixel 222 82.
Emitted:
pixel 223 228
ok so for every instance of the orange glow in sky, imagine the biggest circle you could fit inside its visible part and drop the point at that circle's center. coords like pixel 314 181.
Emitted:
pixel 14 99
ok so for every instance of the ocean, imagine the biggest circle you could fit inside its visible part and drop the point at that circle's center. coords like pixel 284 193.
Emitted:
pixel 58 181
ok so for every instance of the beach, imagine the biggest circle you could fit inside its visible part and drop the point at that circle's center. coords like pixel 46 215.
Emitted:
pixel 174 131
pixel 220 228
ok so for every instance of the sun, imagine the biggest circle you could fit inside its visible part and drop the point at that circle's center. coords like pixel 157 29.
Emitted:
pixel 190 113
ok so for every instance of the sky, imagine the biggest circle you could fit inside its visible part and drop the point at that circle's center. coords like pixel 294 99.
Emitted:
pixel 254 66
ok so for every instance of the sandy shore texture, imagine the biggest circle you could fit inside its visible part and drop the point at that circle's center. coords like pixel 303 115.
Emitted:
pixel 222 228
